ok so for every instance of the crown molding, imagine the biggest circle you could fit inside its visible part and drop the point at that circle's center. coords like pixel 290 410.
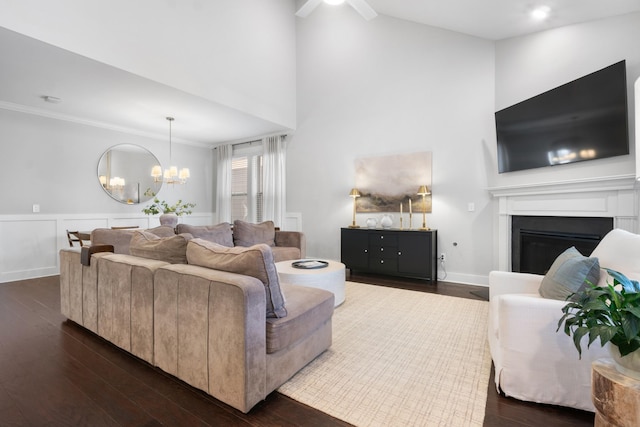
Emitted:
pixel 93 123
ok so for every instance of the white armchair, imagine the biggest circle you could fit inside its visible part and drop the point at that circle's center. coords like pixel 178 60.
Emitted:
pixel 532 361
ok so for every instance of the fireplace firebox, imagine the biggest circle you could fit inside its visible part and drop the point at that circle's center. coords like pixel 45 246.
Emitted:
pixel 536 241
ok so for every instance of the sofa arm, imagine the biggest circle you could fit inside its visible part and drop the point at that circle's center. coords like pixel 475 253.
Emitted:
pixel 87 251
pixel 295 239
pixel 210 331
pixel 536 363
pixel 505 282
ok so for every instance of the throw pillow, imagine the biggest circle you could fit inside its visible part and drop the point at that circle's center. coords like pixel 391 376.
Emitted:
pixel 569 274
pixel 255 261
pixel 248 234
pixel 619 250
pixel 220 233
pixel 161 231
pixel 169 249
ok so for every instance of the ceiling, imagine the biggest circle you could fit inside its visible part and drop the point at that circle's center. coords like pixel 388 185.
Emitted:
pixel 500 19
pixel 101 95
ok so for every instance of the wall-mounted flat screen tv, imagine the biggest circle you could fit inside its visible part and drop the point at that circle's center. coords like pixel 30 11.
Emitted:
pixel 585 119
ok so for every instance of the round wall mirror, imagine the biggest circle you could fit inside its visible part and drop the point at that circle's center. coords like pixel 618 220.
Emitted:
pixel 124 172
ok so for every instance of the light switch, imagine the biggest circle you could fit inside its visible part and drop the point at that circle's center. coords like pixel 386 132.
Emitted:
pixel 471 207
pixel 36 208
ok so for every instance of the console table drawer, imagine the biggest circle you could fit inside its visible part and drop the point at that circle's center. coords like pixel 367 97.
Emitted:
pixel 383 239
pixel 384 265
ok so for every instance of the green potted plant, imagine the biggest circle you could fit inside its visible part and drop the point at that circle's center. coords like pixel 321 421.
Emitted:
pixel 169 212
pixel 610 313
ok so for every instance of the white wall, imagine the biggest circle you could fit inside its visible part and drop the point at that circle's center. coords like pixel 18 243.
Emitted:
pixel 239 53
pixel 392 87
pixel 54 163
pixel 529 65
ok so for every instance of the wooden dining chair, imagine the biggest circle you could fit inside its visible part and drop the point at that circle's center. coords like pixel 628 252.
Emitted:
pixel 73 237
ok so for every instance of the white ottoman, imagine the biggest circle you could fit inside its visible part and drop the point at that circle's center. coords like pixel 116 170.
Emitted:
pixel 330 278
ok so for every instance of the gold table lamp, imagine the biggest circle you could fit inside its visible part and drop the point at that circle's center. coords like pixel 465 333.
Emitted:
pixel 355 194
pixel 423 190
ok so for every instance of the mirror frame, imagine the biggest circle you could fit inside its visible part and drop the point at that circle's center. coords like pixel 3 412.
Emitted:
pixel 124 173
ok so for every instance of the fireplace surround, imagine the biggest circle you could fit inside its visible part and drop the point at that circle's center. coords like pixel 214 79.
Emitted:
pixel 613 198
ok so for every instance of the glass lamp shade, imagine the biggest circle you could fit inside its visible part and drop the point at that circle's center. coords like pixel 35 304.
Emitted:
pixel 423 190
pixel 156 172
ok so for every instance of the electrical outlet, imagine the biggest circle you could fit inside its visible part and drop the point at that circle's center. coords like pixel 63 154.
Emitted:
pixel 443 257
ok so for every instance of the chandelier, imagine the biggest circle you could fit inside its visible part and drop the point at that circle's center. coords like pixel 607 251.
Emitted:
pixel 171 175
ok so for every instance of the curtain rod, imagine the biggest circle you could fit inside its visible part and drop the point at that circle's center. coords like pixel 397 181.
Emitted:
pixel 252 141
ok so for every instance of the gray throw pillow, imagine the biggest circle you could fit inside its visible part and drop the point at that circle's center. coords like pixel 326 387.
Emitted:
pixel 255 261
pixel 169 249
pixel 219 233
pixel 249 234
pixel 569 274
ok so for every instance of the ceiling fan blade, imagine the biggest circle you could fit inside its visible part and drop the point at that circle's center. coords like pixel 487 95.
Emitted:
pixel 363 9
pixel 307 8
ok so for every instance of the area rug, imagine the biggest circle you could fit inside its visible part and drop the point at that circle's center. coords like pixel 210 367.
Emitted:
pixel 401 358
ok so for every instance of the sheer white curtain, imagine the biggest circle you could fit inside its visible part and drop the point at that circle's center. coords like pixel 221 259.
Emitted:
pixel 274 179
pixel 223 193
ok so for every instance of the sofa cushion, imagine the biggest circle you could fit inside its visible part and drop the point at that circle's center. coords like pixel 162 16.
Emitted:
pixel 219 233
pixel 169 249
pixel 285 253
pixel 619 250
pixel 307 308
pixel 569 274
pixel 248 234
pixel 256 261
pixel 121 238
pixel 161 231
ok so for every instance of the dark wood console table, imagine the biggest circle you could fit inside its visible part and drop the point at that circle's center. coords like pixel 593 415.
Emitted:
pixel 406 253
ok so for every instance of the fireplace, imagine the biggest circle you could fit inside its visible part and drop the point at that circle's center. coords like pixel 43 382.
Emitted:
pixel 536 241
pixel 614 198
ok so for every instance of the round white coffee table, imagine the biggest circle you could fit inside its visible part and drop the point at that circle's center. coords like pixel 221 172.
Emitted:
pixel 330 278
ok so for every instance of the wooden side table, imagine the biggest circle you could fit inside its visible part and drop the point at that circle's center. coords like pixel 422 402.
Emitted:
pixel 615 396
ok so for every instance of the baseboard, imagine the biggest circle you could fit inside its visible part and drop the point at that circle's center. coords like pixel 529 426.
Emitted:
pixel 464 279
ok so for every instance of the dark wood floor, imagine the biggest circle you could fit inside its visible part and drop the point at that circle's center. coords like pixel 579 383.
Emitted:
pixel 55 373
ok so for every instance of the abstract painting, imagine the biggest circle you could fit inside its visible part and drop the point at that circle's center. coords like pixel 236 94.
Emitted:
pixel 386 182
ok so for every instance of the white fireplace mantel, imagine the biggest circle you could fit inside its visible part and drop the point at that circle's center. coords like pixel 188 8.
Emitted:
pixel 612 197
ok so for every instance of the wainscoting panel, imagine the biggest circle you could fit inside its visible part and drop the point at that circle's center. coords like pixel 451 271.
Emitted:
pixel 28 248
pixel 30 243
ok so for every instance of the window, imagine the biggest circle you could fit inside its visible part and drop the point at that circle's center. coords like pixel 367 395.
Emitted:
pixel 246 182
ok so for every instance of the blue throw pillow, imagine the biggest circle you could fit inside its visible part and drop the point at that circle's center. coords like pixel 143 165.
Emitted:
pixel 569 274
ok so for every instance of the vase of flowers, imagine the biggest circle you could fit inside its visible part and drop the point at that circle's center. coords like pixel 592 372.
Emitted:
pixel 169 212
pixel 611 313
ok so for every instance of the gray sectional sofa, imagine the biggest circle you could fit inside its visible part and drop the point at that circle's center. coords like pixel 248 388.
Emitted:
pixel 285 245
pixel 221 322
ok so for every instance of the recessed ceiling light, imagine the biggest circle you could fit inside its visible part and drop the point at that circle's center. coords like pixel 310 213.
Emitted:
pixel 334 2
pixel 541 13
